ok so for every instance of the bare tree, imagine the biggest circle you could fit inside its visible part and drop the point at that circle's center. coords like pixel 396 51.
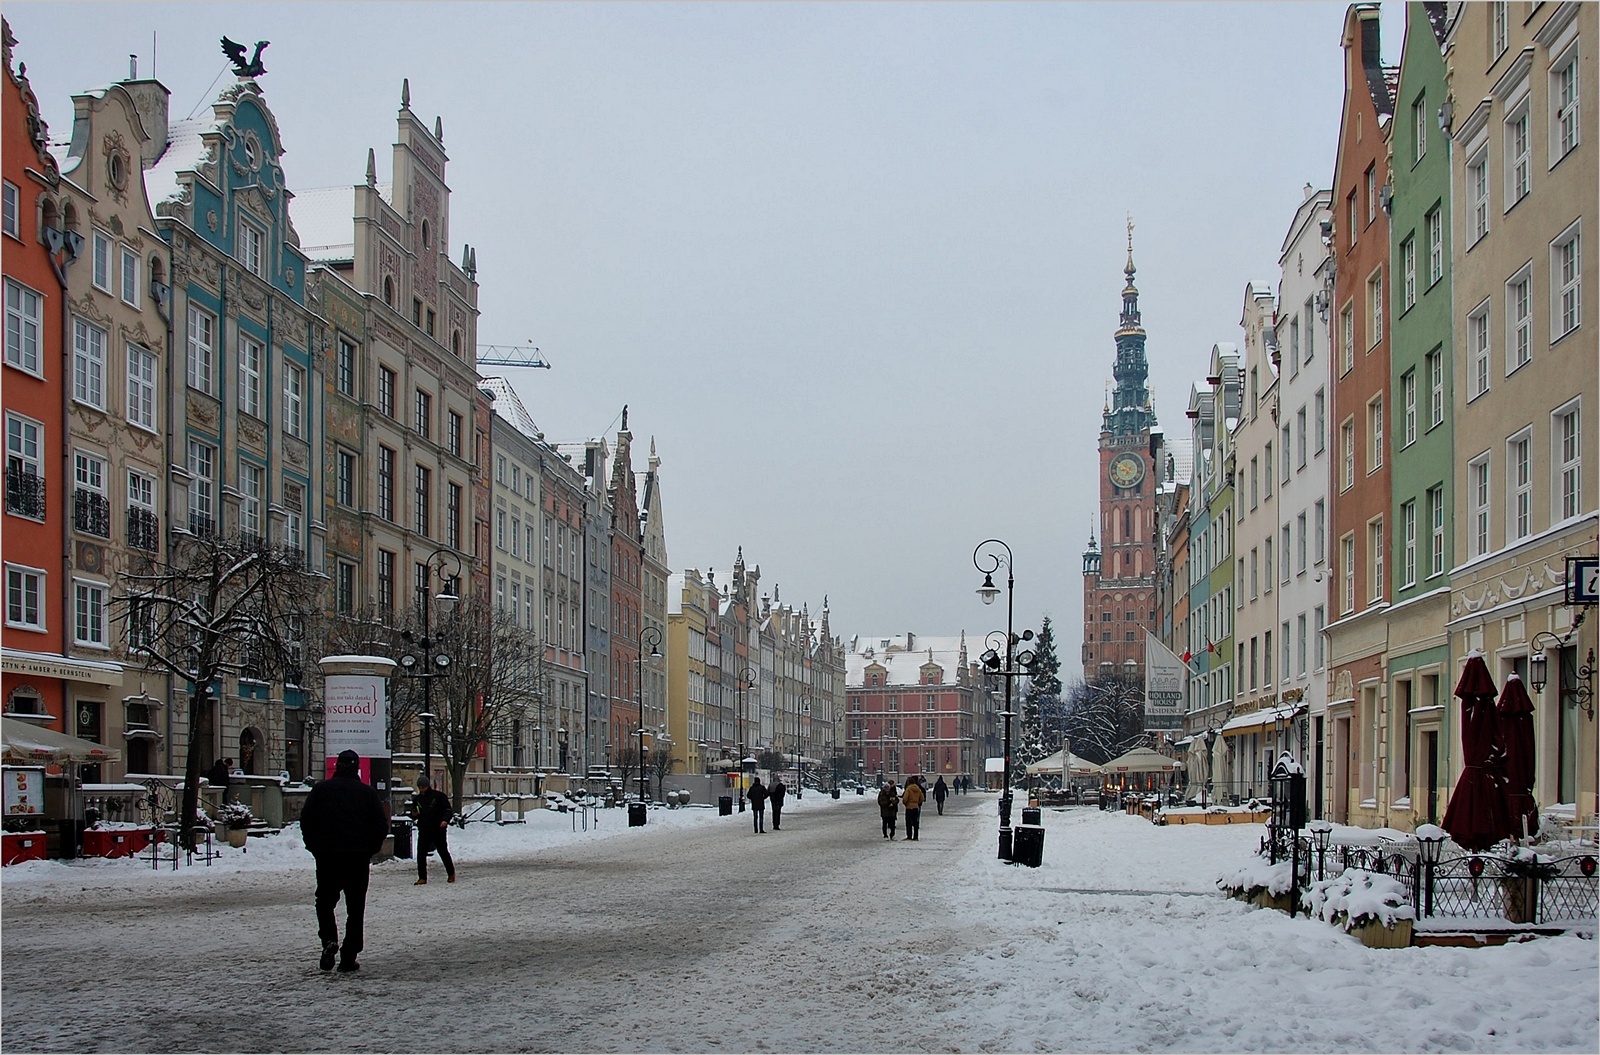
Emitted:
pixel 218 607
pixel 627 756
pixel 660 760
pixel 1105 718
pixel 495 678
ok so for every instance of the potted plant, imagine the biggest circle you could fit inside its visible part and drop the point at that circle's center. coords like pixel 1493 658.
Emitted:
pixel 1375 908
pixel 1520 884
pixel 238 818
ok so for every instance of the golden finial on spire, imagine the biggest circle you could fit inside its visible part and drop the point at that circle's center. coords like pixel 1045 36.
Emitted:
pixel 1129 269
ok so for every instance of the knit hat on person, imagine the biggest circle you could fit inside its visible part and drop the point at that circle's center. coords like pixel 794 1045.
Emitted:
pixel 424 782
pixel 347 764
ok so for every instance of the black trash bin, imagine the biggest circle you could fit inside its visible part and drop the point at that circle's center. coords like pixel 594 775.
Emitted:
pixel 835 792
pixel 1005 844
pixel 1032 815
pixel 636 814
pixel 1027 845
pixel 400 828
pixel 860 790
pixel 724 805
pixel 71 834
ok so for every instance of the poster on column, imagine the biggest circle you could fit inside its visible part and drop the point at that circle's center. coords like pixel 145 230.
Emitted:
pixel 357 715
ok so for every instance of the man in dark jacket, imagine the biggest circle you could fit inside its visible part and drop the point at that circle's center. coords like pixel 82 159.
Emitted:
pixel 433 813
pixel 343 824
pixel 775 796
pixel 757 796
pixel 940 790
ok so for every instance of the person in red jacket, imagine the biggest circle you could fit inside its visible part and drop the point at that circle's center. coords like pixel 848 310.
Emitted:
pixel 343 824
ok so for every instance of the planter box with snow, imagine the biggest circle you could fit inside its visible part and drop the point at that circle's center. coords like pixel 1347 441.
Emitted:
pixel 1374 935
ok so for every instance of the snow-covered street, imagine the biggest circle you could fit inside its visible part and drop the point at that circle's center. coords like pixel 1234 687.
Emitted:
pixel 692 934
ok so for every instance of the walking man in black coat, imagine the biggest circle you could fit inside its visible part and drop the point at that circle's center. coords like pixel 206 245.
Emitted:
pixel 940 790
pixel 775 796
pixel 343 824
pixel 433 813
pixel 756 794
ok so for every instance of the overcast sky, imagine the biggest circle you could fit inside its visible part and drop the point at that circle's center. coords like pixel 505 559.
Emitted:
pixel 855 268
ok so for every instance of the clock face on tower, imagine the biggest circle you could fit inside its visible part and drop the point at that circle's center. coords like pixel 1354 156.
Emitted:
pixel 1126 469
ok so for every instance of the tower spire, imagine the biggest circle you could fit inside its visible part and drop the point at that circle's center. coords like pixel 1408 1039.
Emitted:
pixel 1129 411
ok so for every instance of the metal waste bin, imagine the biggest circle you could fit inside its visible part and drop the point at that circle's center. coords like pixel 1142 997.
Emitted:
pixel 860 790
pixel 724 805
pixel 1005 844
pixel 1032 815
pixel 400 828
pixel 835 792
pixel 1027 845
pixel 636 814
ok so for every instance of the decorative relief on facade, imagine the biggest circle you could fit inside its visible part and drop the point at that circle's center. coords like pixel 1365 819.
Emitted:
pixel 252 431
pixel 87 307
pixel 252 295
pixel 1344 686
pixel 392 336
pixel 296 453
pixel 211 220
pixel 118 165
pixel 202 410
pixel 390 225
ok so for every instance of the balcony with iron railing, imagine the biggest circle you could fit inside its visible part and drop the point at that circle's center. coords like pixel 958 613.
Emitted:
pixel 24 492
pixel 91 512
pixel 144 530
pixel 202 525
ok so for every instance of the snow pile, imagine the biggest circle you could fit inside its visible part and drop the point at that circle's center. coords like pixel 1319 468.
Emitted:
pixel 1256 875
pixel 1359 897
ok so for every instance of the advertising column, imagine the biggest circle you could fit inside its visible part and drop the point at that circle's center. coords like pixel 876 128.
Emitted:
pixel 356 705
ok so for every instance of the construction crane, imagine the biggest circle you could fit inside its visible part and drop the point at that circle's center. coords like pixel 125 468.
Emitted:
pixel 511 355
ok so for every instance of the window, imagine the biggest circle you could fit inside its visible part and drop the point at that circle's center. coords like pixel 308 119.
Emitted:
pixel 386 391
pixel 1283 554
pixel 249 247
pixel 1300 645
pixel 345 478
pixel 344 588
pixel 386 483
pixel 1478 504
pixel 1408 272
pixel 130 277
pixel 89 613
pixel 1566 438
pixel 25 607
pixel 1478 352
pixel 1564 111
pixel 294 505
pixel 1436 520
pixel 1350 215
pixel 1322 530
pixel 500 530
pixel 24 316
pixel 423 421
pixel 386 580
pixel 25 494
pixel 1408 543
pixel 1347 339
pixel 144 526
pixel 202 487
pixel 1322 420
pixel 1347 554
pixel 249 376
pixel 1369 187
pixel 424 502
pixel 1519 154
pixel 1255 480
pixel 1565 276
pixel 1497 30
pixel 202 328
pixel 345 368
pixel 1300 543
pixel 1310 328
pixel 1375 434
pixel 101 275
pixel 1408 408
pixel 1283 461
pixel 88 363
pixel 452 517
pixel 1375 582
pixel 250 488
pixel 1375 305
pixel 11 218
pixel 141 388
pixel 294 386
pixel 1419 132
pixel 1435 364
pixel 1255 573
pixel 1321 617
pixel 453 432
pixel 1519 319
pixel 91 508
pixel 1519 486
pixel 1478 195
pixel 1434 222
pixel 1300 437
pixel 1347 448
pixel 1294 344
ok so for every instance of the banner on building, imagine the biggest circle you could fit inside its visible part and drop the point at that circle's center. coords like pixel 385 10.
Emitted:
pixel 1164 675
pixel 357 715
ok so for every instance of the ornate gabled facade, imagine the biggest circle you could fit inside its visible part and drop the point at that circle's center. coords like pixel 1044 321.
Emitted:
pixel 244 427
pixel 916 705
pixel 1119 575
pixel 627 578
pixel 655 572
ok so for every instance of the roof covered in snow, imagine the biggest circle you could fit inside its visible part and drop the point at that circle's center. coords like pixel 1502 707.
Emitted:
pixel 904 655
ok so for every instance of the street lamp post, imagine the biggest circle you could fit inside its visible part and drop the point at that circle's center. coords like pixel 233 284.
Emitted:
pixel 743 682
pixel 1010 665
pixel 427 663
pixel 648 636
pixel 802 708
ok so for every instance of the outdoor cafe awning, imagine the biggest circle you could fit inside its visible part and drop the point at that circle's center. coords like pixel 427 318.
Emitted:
pixel 1265 718
pixel 1081 767
pixel 29 744
pixel 1141 760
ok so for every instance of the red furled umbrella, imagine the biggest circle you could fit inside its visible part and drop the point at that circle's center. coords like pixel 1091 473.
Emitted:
pixel 1515 717
pixel 1477 819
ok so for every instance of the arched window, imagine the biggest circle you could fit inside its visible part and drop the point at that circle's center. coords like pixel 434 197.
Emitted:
pixel 388 291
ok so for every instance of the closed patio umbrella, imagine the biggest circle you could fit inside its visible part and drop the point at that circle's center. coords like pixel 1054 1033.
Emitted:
pixel 1476 819
pixel 1515 717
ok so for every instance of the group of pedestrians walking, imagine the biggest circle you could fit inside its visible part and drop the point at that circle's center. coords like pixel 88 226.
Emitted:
pixel 758 795
pixel 891 799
